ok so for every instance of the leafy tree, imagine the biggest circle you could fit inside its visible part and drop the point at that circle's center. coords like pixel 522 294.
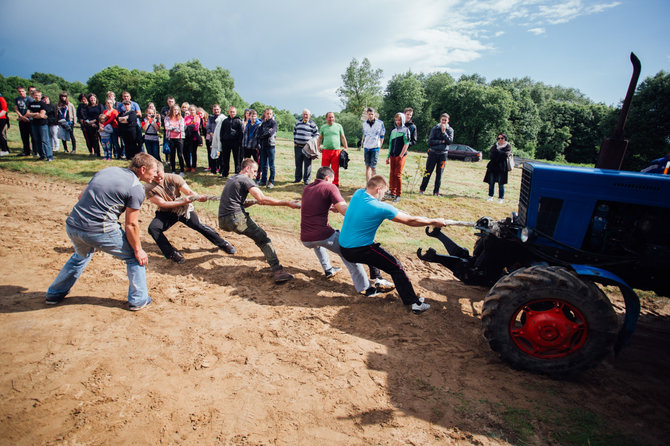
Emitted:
pixel 361 86
pixel 477 112
pixel 553 142
pixel 402 91
pixel 476 78
pixel 196 84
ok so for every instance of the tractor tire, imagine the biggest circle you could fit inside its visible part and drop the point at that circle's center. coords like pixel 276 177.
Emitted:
pixel 545 319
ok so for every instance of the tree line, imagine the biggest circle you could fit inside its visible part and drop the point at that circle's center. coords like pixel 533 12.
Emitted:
pixel 541 121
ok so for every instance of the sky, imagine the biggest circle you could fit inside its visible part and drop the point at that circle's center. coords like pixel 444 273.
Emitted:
pixel 291 54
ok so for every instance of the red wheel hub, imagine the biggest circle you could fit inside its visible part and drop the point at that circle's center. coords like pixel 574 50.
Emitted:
pixel 548 328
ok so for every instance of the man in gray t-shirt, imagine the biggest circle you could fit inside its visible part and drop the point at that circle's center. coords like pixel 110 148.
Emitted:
pixel 233 217
pixel 93 225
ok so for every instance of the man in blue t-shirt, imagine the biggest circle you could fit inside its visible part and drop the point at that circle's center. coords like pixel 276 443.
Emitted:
pixel 365 214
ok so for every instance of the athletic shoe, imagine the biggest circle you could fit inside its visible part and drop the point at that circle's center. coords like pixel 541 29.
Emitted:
pixel 371 292
pixel 281 276
pixel 421 192
pixel 139 307
pixel 306 183
pixel 230 249
pixel 332 272
pixel 489 199
pixel 4 153
pixel 436 194
pixel 177 257
pixel 396 199
pixel 500 201
pixel 270 185
pixel 53 300
pixel 384 285
pixel 420 307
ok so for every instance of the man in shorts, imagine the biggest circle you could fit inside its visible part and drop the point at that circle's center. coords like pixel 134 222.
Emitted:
pixel 373 138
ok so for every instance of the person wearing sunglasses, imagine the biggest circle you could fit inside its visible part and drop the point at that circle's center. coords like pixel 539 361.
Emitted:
pixel 496 169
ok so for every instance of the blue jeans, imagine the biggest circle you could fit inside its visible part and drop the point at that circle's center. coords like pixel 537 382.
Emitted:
pixel 42 141
pixel 85 244
pixel 494 177
pixel 356 271
pixel 153 149
pixel 267 161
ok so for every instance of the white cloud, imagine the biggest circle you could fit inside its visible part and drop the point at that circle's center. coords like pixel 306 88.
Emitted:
pixel 537 31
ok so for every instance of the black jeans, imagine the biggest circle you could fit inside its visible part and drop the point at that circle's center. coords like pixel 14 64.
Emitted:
pixel 129 137
pixel 375 255
pixel 92 139
pixel 228 147
pixel 177 149
pixel 191 153
pixel 24 129
pixel 213 164
pixel 303 164
pixel 165 220
pixel 435 161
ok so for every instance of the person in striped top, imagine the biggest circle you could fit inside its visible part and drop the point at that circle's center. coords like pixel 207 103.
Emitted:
pixel 304 130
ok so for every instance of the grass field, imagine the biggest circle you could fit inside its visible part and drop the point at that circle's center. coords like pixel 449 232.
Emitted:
pixel 463 192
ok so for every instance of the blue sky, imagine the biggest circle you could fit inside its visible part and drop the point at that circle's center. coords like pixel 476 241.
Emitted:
pixel 291 54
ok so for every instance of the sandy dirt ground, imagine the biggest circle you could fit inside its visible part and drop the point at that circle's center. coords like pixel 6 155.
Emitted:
pixel 225 356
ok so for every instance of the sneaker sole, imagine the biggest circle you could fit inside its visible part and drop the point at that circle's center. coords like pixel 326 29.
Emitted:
pixel 53 302
pixel 140 307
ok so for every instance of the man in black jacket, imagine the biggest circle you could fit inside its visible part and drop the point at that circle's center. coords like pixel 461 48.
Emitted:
pixel 267 138
pixel 439 139
pixel 232 129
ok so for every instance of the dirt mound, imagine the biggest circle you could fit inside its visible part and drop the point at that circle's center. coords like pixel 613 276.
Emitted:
pixel 224 355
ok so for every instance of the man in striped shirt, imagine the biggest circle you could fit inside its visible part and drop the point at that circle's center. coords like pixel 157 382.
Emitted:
pixel 304 130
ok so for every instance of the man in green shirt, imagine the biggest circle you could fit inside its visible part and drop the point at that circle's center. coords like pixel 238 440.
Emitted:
pixel 331 135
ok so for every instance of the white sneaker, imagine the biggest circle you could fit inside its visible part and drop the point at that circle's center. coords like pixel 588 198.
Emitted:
pixel 489 199
pixel 500 201
pixel 384 284
pixel 420 307
pixel 4 153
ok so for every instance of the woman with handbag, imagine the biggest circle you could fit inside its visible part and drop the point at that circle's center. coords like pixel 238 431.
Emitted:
pixel 497 168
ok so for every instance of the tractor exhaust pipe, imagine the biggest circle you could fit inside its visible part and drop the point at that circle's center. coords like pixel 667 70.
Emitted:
pixel 613 148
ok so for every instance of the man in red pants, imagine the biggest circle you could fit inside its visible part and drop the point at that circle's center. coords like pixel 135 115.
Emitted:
pixel 330 137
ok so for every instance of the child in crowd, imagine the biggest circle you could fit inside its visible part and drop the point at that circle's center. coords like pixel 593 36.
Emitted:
pixel 398 145
pixel 106 137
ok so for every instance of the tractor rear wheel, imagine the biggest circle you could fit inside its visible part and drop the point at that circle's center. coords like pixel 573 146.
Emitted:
pixel 545 319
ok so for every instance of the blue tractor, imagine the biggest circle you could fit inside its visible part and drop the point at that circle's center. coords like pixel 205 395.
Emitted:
pixel 575 227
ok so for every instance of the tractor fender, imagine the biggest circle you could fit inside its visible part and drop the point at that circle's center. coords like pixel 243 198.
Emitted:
pixel 629 296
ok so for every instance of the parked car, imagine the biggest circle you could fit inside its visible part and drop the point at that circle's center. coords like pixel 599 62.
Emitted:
pixel 463 152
